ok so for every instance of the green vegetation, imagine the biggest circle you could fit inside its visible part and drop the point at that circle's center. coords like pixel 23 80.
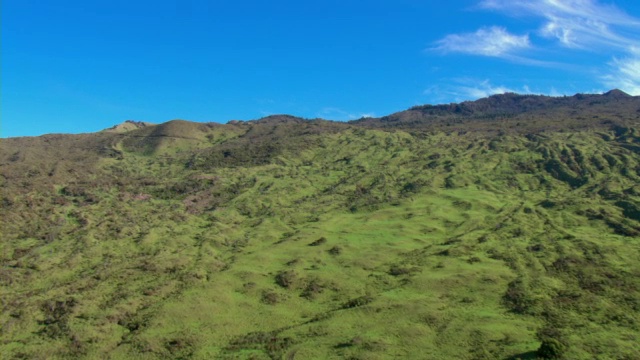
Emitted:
pixel 287 238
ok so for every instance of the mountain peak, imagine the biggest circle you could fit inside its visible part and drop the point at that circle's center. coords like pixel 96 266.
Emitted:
pixel 127 125
pixel 616 93
pixel 280 119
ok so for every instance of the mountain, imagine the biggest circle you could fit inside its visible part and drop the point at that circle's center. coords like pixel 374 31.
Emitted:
pixel 128 125
pixel 502 228
pixel 518 113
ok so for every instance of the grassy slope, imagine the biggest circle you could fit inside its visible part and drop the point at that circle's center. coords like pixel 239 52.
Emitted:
pixel 335 243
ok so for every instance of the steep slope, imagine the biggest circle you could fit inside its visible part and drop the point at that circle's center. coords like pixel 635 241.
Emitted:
pixel 311 239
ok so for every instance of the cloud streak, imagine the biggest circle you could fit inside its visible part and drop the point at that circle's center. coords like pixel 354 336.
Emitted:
pixel 464 89
pixel 490 41
pixel 575 25
pixel 335 113
pixel 624 74
pixel 483 89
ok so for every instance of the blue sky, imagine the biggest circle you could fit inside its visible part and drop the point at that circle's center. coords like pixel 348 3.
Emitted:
pixel 73 66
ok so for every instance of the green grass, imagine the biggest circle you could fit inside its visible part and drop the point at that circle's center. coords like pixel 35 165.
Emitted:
pixel 440 245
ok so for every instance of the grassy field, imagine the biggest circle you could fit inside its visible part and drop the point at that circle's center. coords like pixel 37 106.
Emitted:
pixel 309 240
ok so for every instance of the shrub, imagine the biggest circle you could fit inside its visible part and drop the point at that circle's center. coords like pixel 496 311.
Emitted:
pixel 269 298
pixel 357 302
pixel 552 346
pixel 318 242
pixel 56 314
pixel 551 349
pixel 336 250
pixel 397 270
pixel 286 279
pixel 518 297
pixel 312 290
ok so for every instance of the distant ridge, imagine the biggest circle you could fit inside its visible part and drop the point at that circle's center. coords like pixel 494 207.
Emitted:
pixel 530 113
pixel 127 126
pixel 511 112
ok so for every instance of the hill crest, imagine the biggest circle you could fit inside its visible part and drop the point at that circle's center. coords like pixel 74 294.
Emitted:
pixel 128 125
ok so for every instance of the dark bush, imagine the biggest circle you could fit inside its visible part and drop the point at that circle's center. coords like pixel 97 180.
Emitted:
pixel 518 298
pixel 269 298
pixel 286 279
pixel 357 302
pixel 551 349
pixel 181 348
pixel 318 242
pixel 268 342
pixel 56 313
pixel 312 290
pixel 397 270
pixel 473 260
pixel 336 250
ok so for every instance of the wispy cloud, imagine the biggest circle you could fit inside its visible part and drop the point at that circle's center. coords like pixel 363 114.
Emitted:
pixel 334 113
pixel 587 25
pixel 471 89
pixel 624 74
pixel 588 9
pixel 575 25
pixel 483 89
pixel 488 41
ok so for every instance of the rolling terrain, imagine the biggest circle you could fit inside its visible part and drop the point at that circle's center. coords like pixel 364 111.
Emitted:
pixel 504 228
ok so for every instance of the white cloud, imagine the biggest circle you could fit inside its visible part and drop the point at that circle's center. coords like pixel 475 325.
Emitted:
pixel 491 41
pixel 555 92
pixel 474 89
pixel 471 89
pixel 588 9
pixel 574 23
pixel 578 26
pixel 588 24
pixel 481 90
pixel 624 75
pixel 334 113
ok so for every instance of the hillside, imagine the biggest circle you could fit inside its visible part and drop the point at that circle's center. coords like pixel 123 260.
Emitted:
pixel 504 228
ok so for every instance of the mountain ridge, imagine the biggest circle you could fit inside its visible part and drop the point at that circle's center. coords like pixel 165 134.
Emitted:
pixel 507 109
pixel 128 125
pixel 506 106
pixel 514 112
